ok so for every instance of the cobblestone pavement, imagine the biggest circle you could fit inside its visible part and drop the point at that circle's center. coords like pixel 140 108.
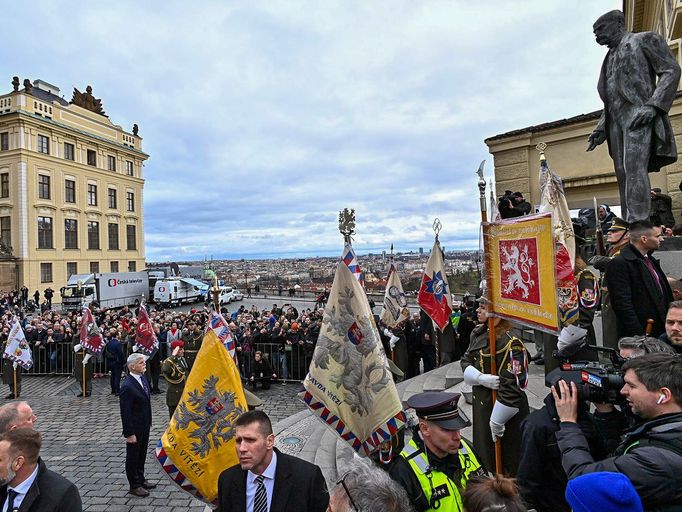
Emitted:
pixel 83 441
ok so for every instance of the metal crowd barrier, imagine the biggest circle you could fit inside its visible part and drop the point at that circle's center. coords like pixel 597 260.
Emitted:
pixel 290 364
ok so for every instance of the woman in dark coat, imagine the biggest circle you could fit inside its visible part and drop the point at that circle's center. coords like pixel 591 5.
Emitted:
pixel 511 407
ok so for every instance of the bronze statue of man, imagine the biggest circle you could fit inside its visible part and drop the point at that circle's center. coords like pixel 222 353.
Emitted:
pixel 635 119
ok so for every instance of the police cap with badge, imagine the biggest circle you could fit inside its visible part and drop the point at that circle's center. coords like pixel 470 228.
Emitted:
pixel 439 408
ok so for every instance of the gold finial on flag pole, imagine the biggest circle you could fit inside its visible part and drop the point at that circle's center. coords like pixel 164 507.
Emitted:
pixel 481 189
pixel 347 224
pixel 541 149
pixel 437 226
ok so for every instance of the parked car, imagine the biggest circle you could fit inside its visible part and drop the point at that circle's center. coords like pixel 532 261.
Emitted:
pixel 226 296
pixel 237 295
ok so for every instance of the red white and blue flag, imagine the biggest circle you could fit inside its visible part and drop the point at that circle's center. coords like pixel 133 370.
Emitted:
pixel 222 330
pixel 351 261
pixel 145 337
pixel 434 294
pixel 90 336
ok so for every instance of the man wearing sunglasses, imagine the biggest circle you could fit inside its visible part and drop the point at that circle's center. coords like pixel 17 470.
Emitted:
pixel 436 464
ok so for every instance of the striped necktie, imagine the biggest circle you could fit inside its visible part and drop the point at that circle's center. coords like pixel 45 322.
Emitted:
pixel 260 503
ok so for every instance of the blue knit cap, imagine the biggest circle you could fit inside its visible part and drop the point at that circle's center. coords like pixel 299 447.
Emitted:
pixel 603 492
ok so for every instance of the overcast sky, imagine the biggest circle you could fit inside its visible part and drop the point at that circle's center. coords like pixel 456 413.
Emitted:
pixel 264 119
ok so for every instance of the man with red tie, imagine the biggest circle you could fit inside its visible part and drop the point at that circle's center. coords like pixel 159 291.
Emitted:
pixel 638 287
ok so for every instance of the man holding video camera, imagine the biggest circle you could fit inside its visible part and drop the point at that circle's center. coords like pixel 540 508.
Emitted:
pixel 513 205
pixel 650 455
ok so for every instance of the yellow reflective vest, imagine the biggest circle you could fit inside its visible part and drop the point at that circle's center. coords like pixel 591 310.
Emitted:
pixel 441 493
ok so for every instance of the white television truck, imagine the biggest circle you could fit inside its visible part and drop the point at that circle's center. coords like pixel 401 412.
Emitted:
pixel 110 290
pixel 178 290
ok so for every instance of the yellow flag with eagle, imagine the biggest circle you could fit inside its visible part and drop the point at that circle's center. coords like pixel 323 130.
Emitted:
pixel 199 442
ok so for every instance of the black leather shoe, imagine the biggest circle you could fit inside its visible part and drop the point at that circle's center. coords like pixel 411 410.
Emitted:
pixel 148 485
pixel 139 492
pixel 10 396
pixel 536 357
pixel 539 362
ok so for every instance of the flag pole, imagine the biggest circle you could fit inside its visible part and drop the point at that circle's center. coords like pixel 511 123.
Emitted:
pixel 16 395
pixel 83 359
pixel 436 330
pixel 389 277
pixel 491 320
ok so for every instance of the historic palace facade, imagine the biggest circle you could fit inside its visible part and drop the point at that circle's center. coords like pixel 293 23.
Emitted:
pixel 71 188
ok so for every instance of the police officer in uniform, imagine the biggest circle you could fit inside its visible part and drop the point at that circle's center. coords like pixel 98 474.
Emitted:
pixel 175 371
pixel 436 464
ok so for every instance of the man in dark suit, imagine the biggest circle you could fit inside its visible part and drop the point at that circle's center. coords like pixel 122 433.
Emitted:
pixel 28 485
pixel 638 83
pixel 267 480
pixel 136 415
pixel 638 288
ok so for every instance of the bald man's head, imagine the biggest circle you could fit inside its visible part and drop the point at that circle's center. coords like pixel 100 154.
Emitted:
pixel 16 415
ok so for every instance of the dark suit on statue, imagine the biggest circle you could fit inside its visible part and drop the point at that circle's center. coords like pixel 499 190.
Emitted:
pixel 299 486
pixel 50 492
pixel 136 416
pixel 628 80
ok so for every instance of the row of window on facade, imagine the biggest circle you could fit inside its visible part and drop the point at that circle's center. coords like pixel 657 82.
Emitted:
pixel 45 192
pixel 43 145
pixel 72 269
pixel 46 234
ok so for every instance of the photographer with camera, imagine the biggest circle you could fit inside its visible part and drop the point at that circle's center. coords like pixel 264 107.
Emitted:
pixel 541 478
pixel 650 455
pixel 513 205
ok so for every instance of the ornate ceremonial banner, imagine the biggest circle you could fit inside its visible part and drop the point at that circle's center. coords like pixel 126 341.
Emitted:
pixel 90 336
pixel 146 341
pixel 349 385
pixel 434 294
pixel 199 441
pixel 394 309
pixel 520 263
pixel 17 349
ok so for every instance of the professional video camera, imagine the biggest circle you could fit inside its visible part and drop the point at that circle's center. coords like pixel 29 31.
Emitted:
pixel 596 382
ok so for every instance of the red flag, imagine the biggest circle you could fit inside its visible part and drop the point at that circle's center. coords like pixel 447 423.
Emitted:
pixel 434 294
pixel 90 336
pixel 145 337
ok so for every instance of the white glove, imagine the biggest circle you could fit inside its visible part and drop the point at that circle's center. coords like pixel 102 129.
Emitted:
pixel 393 341
pixel 474 377
pixel 499 417
pixel 497 430
pixel 135 348
pixel 569 335
pixel 77 348
pixel 86 359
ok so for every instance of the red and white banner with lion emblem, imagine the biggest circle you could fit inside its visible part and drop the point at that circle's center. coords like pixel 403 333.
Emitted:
pixel 520 267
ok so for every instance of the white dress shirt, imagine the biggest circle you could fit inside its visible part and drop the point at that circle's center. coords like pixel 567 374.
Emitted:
pixel 138 378
pixel 21 491
pixel 269 482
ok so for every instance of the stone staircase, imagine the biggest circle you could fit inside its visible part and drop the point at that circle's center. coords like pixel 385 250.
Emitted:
pixel 304 435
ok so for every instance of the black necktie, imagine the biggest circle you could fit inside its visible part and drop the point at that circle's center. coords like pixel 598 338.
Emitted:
pixel 11 495
pixel 144 385
pixel 260 503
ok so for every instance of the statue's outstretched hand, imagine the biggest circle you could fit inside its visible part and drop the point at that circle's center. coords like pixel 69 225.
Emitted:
pixel 596 137
pixel 644 115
